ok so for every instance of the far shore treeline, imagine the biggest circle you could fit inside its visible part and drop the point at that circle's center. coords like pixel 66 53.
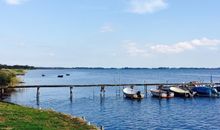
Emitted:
pixel 3 66
pixel 26 67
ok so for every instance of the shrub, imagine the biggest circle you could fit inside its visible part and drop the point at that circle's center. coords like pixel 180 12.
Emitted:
pixel 6 77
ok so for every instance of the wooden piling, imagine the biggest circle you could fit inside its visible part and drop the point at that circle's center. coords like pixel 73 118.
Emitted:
pixel 145 89
pixel 102 90
pixel 37 96
pixel 38 91
pixel 71 93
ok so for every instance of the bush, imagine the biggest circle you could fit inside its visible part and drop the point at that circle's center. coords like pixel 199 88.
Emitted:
pixel 6 77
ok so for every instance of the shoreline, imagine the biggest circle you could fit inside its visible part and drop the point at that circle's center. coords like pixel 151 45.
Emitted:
pixel 23 117
pixel 15 118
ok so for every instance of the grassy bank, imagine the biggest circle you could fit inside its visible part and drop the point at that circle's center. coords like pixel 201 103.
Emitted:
pixel 21 118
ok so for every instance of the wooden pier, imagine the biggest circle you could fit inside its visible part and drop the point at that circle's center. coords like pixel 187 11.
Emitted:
pixel 102 86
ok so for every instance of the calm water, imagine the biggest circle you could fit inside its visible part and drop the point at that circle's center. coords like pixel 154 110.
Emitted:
pixel 115 112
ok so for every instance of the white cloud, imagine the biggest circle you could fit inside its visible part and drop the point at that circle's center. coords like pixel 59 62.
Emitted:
pixel 15 2
pixel 146 6
pixel 185 46
pixel 106 28
pixel 134 50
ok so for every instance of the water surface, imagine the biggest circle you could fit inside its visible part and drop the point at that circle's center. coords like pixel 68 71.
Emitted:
pixel 112 110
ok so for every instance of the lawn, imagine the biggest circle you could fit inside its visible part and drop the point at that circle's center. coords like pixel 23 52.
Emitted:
pixel 17 117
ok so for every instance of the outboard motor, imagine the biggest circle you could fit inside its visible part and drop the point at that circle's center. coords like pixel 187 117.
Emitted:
pixel 139 94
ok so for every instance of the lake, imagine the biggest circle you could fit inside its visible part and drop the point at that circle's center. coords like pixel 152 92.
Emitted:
pixel 112 110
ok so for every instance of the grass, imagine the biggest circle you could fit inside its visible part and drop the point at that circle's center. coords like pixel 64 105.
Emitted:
pixel 15 117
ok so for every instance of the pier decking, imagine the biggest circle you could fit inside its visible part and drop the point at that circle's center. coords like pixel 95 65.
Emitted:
pixel 102 86
pixel 96 85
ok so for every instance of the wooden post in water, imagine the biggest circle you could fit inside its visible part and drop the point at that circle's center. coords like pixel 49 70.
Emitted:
pixel 102 90
pixel 37 95
pixel 38 91
pixel 71 93
pixel 145 89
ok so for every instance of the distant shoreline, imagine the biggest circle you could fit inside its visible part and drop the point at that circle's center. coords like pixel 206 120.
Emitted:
pixel 160 68
pixel 4 66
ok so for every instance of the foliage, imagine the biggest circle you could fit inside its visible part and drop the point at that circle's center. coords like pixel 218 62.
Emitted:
pixel 7 77
pixel 19 118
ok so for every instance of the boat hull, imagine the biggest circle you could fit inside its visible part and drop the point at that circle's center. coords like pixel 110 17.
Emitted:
pixel 205 91
pixel 178 92
pixel 162 94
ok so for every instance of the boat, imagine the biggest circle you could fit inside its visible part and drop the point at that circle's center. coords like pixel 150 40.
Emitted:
pixel 132 93
pixel 161 93
pixel 67 74
pixel 179 92
pixel 60 76
pixel 206 90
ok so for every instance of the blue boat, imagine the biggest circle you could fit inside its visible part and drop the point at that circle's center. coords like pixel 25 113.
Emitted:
pixel 206 91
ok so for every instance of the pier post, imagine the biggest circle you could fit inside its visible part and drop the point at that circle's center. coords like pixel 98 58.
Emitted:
pixel 38 91
pixel 102 90
pixel 37 95
pixel 71 93
pixel 145 88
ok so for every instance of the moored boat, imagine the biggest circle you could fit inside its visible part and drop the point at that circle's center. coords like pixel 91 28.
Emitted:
pixel 60 76
pixel 161 93
pixel 132 93
pixel 179 92
pixel 206 90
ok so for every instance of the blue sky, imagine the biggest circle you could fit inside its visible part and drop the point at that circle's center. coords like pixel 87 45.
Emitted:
pixel 110 33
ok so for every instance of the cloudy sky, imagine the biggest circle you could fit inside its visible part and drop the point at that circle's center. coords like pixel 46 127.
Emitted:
pixel 110 33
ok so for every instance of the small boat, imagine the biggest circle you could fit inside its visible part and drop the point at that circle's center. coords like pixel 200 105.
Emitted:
pixel 67 74
pixel 161 93
pixel 132 93
pixel 43 75
pixel 60 76
pixel 179 92
pixel 206 90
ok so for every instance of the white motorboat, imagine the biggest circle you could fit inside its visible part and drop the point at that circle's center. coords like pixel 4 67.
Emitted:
pixel 179 92
pixel 132 93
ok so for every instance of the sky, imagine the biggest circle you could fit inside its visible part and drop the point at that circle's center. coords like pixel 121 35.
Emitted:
pixel 110 33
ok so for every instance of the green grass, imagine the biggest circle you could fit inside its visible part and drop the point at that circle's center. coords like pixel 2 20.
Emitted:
pixel 17 117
